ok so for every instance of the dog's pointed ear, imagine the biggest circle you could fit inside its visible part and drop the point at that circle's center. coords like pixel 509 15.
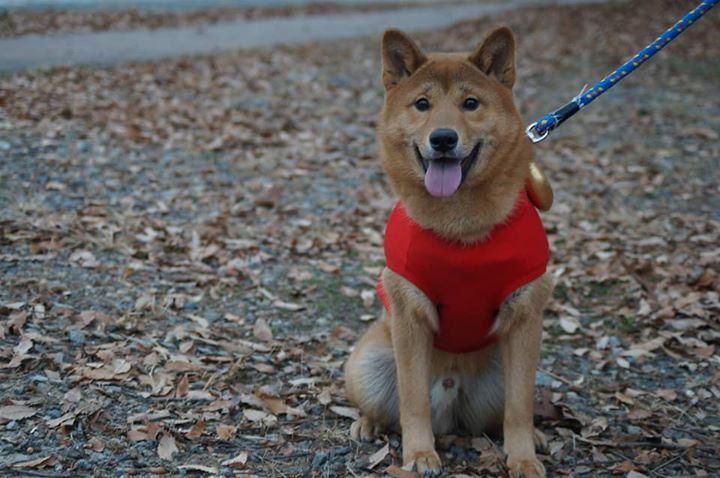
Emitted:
pixel 495 56
pixel 401 57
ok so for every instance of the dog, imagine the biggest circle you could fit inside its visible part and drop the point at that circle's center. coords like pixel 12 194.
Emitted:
pixel 466 279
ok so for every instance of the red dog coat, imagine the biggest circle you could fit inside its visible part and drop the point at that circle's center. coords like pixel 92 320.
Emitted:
pixel 467 283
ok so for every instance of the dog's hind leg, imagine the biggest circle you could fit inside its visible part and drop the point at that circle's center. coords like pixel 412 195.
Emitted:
pixel 371 383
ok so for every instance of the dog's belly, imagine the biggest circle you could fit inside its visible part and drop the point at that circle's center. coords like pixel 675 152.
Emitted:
pixel 470 400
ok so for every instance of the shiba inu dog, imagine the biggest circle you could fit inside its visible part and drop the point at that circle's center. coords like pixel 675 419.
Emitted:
pixel 466 281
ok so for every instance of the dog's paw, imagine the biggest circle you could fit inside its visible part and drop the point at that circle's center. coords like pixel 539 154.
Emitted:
pixel 425 462
pixel 364 428
pixel 525 468
pixel 540 440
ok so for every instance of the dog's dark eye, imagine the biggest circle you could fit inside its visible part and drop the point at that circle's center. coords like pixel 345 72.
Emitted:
pixel 471 104
pixel 422 104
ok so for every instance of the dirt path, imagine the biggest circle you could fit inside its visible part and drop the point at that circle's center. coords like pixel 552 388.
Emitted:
pixel 103 48
pixel 106 17
pixel 188 250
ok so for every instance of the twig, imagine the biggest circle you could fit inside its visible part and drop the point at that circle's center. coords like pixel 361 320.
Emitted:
pixel 564 380
pixel 20 471
pixel 663 465
pixel 630 444
pixel 285 457
pixel 644 284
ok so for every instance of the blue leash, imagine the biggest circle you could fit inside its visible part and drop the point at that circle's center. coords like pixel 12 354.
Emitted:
pixel 540 129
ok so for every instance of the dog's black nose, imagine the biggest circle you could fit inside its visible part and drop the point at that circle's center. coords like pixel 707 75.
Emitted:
pixel 443 139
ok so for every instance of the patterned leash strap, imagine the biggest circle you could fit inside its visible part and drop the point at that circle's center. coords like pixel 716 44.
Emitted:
pixel 540 129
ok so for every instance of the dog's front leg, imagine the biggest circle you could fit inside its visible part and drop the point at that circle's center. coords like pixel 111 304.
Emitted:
pixel 520 350
pixel 413 323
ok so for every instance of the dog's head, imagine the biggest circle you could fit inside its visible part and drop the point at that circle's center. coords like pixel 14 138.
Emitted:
pixel 449 122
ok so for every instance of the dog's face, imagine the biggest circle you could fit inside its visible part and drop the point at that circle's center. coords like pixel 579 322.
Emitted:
pixel 449 119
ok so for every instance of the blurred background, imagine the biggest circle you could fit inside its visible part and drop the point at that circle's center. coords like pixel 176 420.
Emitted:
pixel 191 220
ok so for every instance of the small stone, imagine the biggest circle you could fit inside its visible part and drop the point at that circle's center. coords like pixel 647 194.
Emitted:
pixel 74 453
pixel 76 337
pixel 83 465
pixel 340 451
pixel 319 459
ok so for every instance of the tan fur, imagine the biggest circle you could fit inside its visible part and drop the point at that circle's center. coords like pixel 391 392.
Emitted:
pixel 394 374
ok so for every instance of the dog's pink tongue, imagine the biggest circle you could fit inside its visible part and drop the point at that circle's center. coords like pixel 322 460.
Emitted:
pixel 442 178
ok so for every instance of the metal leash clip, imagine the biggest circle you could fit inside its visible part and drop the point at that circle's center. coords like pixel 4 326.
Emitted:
pixel 533 135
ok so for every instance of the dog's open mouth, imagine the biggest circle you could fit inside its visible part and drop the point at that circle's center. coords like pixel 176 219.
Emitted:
pixel 443 176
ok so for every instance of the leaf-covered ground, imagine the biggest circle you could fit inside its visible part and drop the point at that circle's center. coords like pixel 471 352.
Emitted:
pixel 188 250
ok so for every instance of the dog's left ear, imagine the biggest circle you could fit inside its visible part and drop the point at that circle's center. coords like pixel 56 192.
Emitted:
pixel 495 56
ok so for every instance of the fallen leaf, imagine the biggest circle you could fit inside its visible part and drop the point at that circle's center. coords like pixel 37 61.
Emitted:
pixel 288 306
pixel 347 412
pixel 368 298
pixel 226 432
pixel 135 434
pixel 182 387
pixel 196 430
pixel 324 397
pixel 397 472
pixel 569 324
pixel 238 461
pixel 42 462
pixel 166 447
pixel 666 394
pixel 262 331
pixel 254 415
pixel 66 419
pixel 377 457
pixel 95 444
pixel 203 468
pixel 16 412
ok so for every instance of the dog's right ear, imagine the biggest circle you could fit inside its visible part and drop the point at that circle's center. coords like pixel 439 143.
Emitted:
pixel 401 57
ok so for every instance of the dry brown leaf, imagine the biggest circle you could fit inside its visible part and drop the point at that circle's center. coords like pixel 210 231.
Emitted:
pixel 167 447
pixel 262 331
pixel 397 472
pixel 376 458
pixel 16 412
pixel 182 387
pixel 135 434
pixel 276 405
pixel 203 468
pixel 347 412
pixel 42 462
pixel 66 419
pixel 569 324
pixel 95 444
pixel 226 432
pixel 254 415
pixel 288 306
pixel 325 397
pixel 196 430
pixel 666 394
pixel 368 298
pixel 237 461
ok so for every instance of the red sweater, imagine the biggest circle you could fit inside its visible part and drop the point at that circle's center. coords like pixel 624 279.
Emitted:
pixel 467 283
